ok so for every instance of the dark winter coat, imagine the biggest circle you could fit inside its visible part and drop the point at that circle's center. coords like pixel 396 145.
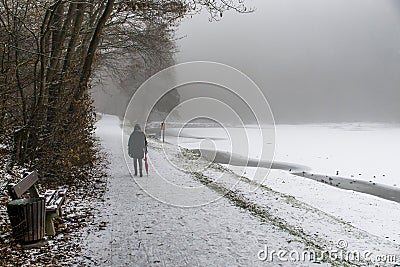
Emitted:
pixel 137 144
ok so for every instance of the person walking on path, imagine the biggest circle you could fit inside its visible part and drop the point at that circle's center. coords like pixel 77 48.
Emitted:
pixel 163 130
pixel 137 145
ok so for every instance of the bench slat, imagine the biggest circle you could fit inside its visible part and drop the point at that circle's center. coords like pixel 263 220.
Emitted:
pixel 54 199
pixel 59 201
pixel 51 208
pixel 62 192
pixel 49 195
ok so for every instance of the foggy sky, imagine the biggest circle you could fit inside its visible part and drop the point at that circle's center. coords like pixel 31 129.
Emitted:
pixel 315 60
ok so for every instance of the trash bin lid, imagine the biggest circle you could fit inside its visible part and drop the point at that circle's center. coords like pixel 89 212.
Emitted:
pixel 24 201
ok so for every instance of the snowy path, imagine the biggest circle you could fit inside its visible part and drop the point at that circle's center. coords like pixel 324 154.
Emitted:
pixel 141 231
pixel 138 230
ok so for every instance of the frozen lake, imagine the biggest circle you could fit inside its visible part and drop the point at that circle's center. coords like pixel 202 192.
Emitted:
pixel 366 152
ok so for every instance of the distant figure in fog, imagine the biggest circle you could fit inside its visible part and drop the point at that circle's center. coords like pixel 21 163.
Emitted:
pixel 163 130
pixel 137 145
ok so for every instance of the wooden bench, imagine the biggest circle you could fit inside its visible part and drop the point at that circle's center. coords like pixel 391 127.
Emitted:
pixel 54 198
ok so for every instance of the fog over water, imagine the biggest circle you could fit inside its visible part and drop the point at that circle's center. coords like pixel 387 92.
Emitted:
pixel 315 60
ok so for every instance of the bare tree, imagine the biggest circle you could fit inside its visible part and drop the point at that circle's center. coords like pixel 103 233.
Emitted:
pixel 48 51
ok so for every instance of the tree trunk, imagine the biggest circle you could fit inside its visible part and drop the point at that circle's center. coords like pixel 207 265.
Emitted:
pixel 94 43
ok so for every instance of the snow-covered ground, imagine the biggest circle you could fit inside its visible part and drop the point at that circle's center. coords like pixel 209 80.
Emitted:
pixel 189 212
pixel 357 151
pixel 143 231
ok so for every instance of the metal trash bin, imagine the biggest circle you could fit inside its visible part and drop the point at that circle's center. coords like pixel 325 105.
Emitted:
pixel 27 217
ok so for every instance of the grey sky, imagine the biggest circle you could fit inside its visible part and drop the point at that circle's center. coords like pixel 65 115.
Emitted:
pixel 316 60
